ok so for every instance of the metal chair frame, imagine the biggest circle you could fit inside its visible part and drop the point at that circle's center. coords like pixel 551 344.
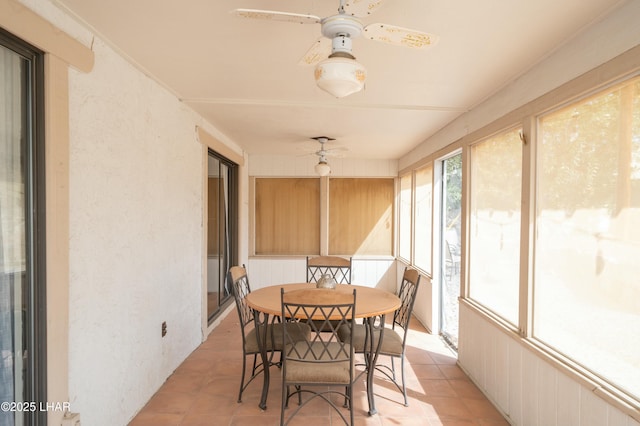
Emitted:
pixel 338 267
pixel 239 280
pixel 324 355
pixel 401 317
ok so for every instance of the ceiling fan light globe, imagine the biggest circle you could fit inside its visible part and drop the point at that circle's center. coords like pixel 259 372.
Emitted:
pixel 340 76
pixel 322 168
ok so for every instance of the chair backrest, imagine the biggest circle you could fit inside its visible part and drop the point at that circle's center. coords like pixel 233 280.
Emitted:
pixel 240 288
pixel 338 267
pixel 328 310
pixel 407 295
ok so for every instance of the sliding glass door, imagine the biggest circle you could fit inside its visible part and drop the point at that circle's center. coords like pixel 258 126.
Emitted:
pixel 221 228
pixel 450 223
pixel 22 289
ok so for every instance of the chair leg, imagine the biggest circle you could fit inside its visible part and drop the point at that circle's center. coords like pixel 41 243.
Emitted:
pixel 255 361
pixel 244 368
pixel 284 402
pixel 350 391
pixel 393 369
pixel 346 397
pixel 404 386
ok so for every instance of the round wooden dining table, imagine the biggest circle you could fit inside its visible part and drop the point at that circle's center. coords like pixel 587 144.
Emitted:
pixel 369 301
pixel 372 305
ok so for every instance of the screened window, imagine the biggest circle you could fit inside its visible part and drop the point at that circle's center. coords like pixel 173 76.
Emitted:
pixel 494 236
pixel 587 246
pixel 423 217
pixel 405 217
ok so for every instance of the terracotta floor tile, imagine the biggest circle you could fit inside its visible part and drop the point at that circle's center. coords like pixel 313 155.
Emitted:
pixel 450 408
pixel 165 402
pixel 203 390
pixel 449 421
pixel 200 419
pixel 437 387
pixel 156 419
pixel 482 409
pixel 452 371
pixel 427 371
pixel 465 388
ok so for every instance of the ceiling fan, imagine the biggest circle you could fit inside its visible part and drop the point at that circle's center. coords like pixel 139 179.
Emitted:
pixel 340 74
pixel 323 168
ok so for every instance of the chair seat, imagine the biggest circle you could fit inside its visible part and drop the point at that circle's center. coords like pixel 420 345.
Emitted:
pixel 298 332
pixel 391 341
pixel 313 370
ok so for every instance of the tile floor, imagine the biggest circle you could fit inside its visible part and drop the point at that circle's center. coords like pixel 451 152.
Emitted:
pixel 203 390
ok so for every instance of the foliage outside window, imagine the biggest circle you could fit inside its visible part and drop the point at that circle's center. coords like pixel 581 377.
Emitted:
pixel 495 213
pixel 587 245
pixel 423 217
pixel 405 217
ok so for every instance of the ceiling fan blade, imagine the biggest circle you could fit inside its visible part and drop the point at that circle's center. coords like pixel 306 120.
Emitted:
pixel 269 15
pixel 338 152
pixel 319 50
pixel 399 36
pixel 361 8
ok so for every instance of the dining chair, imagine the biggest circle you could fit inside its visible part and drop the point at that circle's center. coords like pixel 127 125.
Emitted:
pixel 253 335
pixel 324 362
pixel 452 260
pixel 338 267
pixel 394 339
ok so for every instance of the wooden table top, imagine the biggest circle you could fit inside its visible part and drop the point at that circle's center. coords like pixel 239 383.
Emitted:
pixel 369 301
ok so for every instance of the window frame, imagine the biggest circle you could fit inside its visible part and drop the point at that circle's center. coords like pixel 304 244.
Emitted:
pixel 409 216
pixel 429 268
pixel 35 293
pixel 469 178
pixel 623 67
pixel 606 387
pixel 231 232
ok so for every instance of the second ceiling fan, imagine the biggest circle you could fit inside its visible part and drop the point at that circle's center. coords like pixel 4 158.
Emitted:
pixel 340 74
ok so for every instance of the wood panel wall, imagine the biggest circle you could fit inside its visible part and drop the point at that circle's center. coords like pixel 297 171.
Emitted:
pixel 287 216
pixel 361 216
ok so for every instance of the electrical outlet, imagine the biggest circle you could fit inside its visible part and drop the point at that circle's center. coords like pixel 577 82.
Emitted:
pixel 164 328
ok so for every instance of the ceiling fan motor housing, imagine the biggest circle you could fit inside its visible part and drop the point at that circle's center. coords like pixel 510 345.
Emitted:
pixel 341 25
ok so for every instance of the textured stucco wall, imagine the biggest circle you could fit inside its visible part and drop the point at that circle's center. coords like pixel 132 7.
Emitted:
pixel 135 238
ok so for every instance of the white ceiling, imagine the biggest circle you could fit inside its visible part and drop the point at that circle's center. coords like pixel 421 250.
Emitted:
pixel 243 75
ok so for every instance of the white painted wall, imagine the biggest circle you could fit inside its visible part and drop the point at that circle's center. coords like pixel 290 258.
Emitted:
pixel 526 388
pixel 135 244
pixel 369 272
pixel 136 232
pixel 284 165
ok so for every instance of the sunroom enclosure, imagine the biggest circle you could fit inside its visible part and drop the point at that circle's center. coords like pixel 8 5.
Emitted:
pixel 106 301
